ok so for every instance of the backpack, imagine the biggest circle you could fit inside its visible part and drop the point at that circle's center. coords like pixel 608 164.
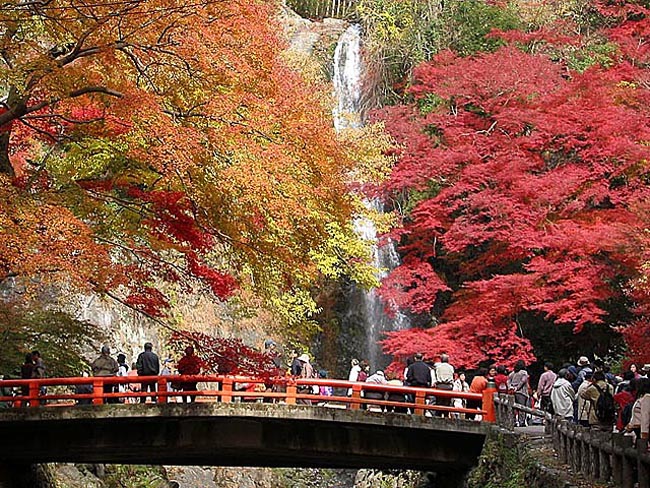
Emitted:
pixel 626 414
pixel 605 407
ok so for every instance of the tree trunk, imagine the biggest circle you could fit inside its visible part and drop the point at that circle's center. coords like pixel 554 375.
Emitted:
pixel 5 164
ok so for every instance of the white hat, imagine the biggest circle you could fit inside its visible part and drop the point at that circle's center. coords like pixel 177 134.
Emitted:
pixel 304 358
pixel 646 367
pixel 583 360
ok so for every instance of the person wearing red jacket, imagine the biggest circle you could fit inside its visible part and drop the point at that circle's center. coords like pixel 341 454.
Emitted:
pixel 189 365
pixel 623 398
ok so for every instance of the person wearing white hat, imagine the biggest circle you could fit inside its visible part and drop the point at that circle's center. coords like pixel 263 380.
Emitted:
pixel 584 368
pixel 307 371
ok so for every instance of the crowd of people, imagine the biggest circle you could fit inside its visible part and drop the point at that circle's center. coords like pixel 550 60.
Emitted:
pixel 585 393
pixel 591 395
pixel 147 364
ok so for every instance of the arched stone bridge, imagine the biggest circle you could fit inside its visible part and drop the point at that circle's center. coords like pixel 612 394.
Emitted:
pixel 229 426
pixel 240 434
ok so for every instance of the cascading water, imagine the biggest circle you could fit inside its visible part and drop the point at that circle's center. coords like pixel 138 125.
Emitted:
pixel 347 79
pixel 363 320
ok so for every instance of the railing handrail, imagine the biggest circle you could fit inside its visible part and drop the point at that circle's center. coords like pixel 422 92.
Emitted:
pixel 228 389
pixel 280 380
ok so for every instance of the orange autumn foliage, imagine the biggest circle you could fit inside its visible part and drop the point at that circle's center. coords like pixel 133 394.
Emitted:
pixel 167 135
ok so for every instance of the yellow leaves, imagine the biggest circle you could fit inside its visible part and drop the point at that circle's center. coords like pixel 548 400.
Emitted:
pixel 368 146
pixel 90 158
pixel 297 309
pixel 344 253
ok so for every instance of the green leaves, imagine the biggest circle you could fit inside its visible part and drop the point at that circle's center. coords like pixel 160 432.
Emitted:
pixel 61 340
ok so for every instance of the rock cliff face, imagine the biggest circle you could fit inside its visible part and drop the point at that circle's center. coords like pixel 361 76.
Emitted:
pixel 94 476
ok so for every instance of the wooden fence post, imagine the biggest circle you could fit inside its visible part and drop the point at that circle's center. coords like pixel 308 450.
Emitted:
pixel 642 468
pixel 605 451
pixel 560 440
pixel 617 465
pixel 594 455
pixel 627 467
pixel 577 450
pixel 511 412
pixel 419 400
pixel 162 388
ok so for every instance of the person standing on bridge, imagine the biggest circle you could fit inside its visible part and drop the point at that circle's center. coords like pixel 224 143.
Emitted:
pixel 306 372
pixel 443 379
pixel 27 373
pixel 418 374
pixel 478 384
pixel 190 364
pixel 39 372
pixel 518 384
pixel 148 364
pixel 106 366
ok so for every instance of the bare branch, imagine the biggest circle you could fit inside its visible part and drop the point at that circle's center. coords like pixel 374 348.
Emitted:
pixel 95 89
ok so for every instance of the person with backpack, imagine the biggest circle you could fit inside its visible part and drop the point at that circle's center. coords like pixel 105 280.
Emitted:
pixel 600 395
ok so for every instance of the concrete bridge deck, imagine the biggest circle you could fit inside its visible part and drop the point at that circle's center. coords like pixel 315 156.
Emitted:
pixel 239 434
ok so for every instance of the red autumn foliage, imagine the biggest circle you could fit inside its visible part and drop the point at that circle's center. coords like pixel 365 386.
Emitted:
pixel 148 300
pixel 188 365
pixel 225 355
pixel 525 185
pixel 222 284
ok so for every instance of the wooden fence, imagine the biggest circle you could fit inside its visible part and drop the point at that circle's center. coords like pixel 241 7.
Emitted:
pixel 597 455
pixel 319 9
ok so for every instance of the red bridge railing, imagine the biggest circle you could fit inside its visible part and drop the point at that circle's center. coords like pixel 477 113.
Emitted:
pixel 52 392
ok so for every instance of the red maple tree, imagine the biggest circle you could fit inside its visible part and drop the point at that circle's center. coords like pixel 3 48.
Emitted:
pixel 525 181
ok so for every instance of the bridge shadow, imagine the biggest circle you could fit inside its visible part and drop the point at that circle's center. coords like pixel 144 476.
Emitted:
pixel 239 434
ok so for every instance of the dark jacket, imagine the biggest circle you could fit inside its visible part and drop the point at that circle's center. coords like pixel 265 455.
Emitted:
pixel 418 374
pixel 296 367
pixel 148 364
pixel 104 365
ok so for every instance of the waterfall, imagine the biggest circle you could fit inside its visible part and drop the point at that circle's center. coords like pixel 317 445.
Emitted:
pixel 364 320
pixel 347 79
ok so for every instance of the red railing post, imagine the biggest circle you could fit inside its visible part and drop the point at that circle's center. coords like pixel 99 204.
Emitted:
pixel 419 400
pixel 98 390
pixel 292 391
pixel 226 396
pixel 356 395
pixel 34 390
pixel 162 390
pixel 488 402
